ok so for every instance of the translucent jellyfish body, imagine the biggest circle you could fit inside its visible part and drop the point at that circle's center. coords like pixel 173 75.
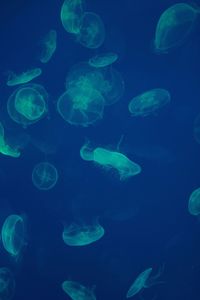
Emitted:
pixel 149 102
pixel 71 13
pixel 194 202
pixel 25 77
pixel 82 234
pixel 28 104
pixel 13 235
pixel 103 60
pixel 92 31
pixel 5 148
pixel 49 44
pixel 77 291
pixel 44 176
pixel 174 26
pixel 7 284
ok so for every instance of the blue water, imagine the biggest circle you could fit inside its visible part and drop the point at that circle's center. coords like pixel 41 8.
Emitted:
pixel 146 218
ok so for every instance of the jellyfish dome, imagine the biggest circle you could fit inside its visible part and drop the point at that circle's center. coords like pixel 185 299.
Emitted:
pixel 71 13
pixel 44 176
pixel 77 291
pixel 194 202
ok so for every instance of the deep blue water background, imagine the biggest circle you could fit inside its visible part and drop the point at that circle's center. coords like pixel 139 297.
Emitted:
pixel 146 219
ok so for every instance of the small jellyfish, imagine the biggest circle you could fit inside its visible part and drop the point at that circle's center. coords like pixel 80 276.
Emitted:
pixel 174 26
pixel 194 202
pixel 5 148
pixel 92 31
pixel 149 102
pixel 7 284
pixel 13 235
pixel 28 104
pixel 71 13
pixel 86 152
pixel 49 46
pixel 77 291
pixel 103 60
pixel 25 77
pixel 44 176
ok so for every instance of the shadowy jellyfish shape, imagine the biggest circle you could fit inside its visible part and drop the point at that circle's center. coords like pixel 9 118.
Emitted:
pixel 174 26
pixel 196 129
pixel 144 280
pixel 7 284
pixel 48 46
pixel 5 148
pixel 103 60
pixel 77 291
pixel 194 202
pixel 14 79
pixel 82 234
pixel 71 13
pixel 92 31
pixel 28 104
pixel 44 176
pixel 13 235
pixel 149 102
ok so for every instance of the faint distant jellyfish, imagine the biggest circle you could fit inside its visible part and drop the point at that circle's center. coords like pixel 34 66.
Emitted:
pixel 13 235
pixel 92 31
pixel 7 284
pixel 25 77
pixel 5 148
pixel 77 291
pixel 194 202
pixel 28 104
pixel 174 26
pixel 149 102
pixel 196 129
pixel 103 60
pixel 71 13
pixel 49 46
pixel 81 235
pixel 44 176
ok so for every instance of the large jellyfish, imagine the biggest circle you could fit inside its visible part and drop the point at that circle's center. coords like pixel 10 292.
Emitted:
pixel 174 26
pixel 103 60
pixel 77 291
pixel 48 46
pixel 82 234
pixel 5 148
pixel 71 13
pixel 28 104
pixel 25 77
pixel 149 102
pixel 13 235
pixel 7 284
pixel 44 176
pixel 194 202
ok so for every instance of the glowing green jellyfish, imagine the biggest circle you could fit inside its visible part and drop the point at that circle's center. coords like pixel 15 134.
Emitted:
pixel 103 60
pixel 196 129
pixel 44 176
pixel 7 284
pixel 5 148
pixel 144 280
pixel 82 234
pixel 194 202
pixel 77 291
pixel 28 104
pixel 13 235
pixel 86 152
pixel 149 102
pixel 49 46
pixel 92 31
pixel 71 13
pixel 174 26
pixel 15 79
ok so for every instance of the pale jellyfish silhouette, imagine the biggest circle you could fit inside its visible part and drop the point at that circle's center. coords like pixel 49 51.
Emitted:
pixel 49 44
pixel 194 202
pixel 71 13
pixel 103 60
pixel 44 176
pixel 7 284
pixel 77 291
pixel 24 77
pixel 5 148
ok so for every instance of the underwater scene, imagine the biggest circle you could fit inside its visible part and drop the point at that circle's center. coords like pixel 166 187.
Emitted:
pixel 99 150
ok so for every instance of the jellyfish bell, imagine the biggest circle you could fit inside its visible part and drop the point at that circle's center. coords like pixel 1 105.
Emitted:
pixel 194 202
pixel 44 176
pixel 24 77
pixel 78 291
pixel 103 60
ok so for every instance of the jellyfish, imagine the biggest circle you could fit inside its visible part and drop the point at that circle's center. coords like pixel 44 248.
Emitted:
pixel 144 280
pixel 49 46
pixel 5 148
pixel 86 152
pixel 77 291
pixel 71 13
pixel 82 234
pixel 103 60
pixel 196 129
pixel 28 104
pixel 174 26
pixel 44 176
pixel 16 79
pixel 149 102
pixel 91 31
pixel 7 284
pixel 194 202
pixel 13 235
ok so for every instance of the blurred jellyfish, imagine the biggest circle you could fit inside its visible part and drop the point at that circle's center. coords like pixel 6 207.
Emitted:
pixel 77 291
pixel 44 176
pixel 49 46
pixel 149 102
pixel 71 13
pixel 174 26
pixel 103 60
pixel 5 148
pixel 194 202
pixel 7 284
pixel 24 77
pixel 28 104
